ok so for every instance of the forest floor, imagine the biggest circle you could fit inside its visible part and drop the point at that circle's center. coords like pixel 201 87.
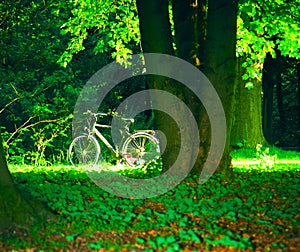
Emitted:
pixel 258 209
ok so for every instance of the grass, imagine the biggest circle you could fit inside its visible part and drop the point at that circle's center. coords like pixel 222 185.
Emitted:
pixel 256 210
pixel 265 159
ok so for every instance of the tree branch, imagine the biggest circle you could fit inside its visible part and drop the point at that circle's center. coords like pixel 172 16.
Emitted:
pixel 25 126
pixel 11 102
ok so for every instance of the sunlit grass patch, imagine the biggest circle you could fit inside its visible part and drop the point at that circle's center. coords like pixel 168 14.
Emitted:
pixel 265 159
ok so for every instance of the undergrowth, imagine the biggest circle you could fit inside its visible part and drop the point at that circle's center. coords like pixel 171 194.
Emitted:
pixel 255 210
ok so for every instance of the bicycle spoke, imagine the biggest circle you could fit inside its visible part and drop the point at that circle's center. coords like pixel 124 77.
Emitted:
pixel 84 150
pixel 141 149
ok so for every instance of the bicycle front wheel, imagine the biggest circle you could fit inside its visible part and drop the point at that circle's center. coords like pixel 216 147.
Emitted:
pixel 140 149
pixel 84 150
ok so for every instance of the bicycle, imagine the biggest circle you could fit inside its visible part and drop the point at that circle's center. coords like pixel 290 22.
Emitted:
pixel 137 149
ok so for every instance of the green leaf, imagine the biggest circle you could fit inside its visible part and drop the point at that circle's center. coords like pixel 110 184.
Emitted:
pixel 245 76
pixel 140 240
pixel 249 85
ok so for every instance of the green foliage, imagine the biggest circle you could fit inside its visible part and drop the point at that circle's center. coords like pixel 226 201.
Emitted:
pixel 252 210
pixel 37 95
pixel 151 170
pixel 112 24
pixel 240 144
pixel 266 159
pixel 263 27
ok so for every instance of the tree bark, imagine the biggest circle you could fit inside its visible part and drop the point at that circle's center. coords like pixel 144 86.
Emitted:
pixel 17 213
pixel 201 29
pixel 219 62
pixel 298 78
pixel 5 178
pixel 8 191
pixel 185 18
pixel 211 30
pixel 190 29
pixel 156 37
pixel 220 68
pixel 247 121
pixel 155 26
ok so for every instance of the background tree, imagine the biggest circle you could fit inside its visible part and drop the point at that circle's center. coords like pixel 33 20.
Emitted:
pixel 263 35
pixel 298 81
pixel 247 128
pixel 285 106
pixel 269 81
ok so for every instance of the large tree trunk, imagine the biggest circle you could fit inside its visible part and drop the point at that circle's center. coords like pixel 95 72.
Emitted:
pixel 17 213
pixel 190 29
pixel 220 68
pixel 219 59
pixel 155 26
pixel 8 192
pixel 247 121
pixel 156 37
pixel 185 14
pixel 211 46
pixel 5 178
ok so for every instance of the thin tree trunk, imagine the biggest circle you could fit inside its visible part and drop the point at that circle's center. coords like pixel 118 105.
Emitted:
pixel 268 80
pixel 280 105
pixel 201 29
pixel 298 75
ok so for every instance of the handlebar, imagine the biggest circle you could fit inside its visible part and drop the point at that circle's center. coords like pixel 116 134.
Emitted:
pixel 107 114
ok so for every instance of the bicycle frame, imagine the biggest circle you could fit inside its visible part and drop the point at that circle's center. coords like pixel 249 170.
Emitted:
pixel 102 138
pixel 105 141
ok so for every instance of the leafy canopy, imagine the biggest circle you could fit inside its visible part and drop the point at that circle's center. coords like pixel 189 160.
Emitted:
pixel 264 27
pixel 113 24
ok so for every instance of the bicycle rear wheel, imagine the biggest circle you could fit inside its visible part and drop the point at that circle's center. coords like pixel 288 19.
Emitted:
pixel 140 149
pixel 84 150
